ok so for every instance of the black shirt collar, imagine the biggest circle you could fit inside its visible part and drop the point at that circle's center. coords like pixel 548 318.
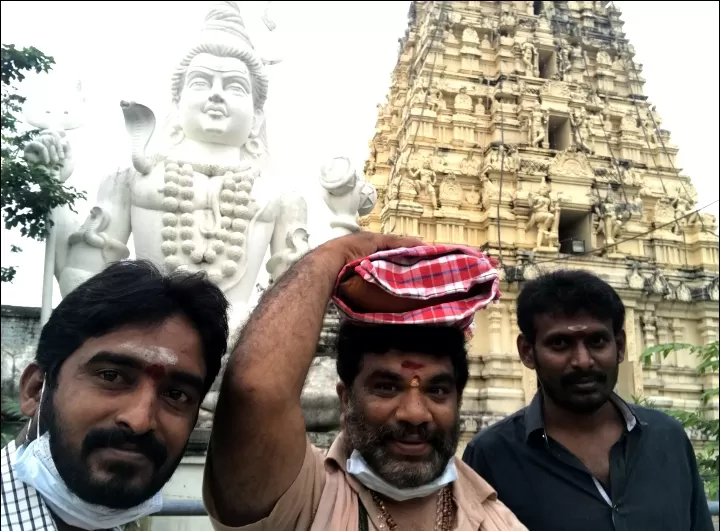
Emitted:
pixel 534 414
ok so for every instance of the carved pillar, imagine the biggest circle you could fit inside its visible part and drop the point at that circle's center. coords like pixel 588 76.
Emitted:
pixel 631 380
pixel 663 338
pixel 678 337
pixel 649 331
pixel 529 377
pixel 708 329
pixel 495 329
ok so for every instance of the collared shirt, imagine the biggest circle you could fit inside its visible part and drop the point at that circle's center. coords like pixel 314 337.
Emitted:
pixel 324 497
pixel 654 482
pixel 22 509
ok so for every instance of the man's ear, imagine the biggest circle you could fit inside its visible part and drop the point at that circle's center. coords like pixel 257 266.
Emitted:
pixel 258 121
pixel 31 382
pixel 525 349
pixel 621 343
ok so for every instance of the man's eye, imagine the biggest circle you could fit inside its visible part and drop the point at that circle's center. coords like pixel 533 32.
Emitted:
pixel 597 342
pixel 178 396
pixel 110 376
pixel 558 344
pixel 386 388
pixel 439 391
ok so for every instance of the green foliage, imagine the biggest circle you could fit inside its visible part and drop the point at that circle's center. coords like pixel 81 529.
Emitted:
pixel 12 419
pixel 28 193
pixel 707 430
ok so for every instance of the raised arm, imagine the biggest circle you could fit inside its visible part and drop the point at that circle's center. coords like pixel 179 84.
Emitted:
pixel 259 442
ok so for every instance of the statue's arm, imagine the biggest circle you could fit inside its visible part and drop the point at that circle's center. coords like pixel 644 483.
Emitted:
pixel 258 443
pixel 290 237
pixel 103 238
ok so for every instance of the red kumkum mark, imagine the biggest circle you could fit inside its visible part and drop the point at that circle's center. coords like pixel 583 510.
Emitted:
pixel 156 372
pixel 413 366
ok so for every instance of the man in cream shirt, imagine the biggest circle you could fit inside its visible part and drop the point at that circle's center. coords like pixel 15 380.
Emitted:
pixel 392 467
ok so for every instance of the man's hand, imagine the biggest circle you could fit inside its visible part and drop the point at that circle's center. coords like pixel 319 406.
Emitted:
pixel 361 244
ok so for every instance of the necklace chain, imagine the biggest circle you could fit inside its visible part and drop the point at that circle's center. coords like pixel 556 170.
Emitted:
pixel 443 513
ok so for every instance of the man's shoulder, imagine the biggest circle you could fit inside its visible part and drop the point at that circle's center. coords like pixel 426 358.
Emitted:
pixel 657 420
pixel 499 431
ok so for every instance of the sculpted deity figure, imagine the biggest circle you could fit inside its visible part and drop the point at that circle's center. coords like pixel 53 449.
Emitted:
pixel 425 180
pixel 200 203
pixel 538 126
pixel 683 205
pixel 530 59
pixel 612 218
pixel 543 215
pixel 581 126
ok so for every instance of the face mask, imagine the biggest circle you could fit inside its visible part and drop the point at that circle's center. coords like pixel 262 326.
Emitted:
pixel 33 465
pixel 357 466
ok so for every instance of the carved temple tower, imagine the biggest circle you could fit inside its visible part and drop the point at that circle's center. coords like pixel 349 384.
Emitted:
pixel 521 129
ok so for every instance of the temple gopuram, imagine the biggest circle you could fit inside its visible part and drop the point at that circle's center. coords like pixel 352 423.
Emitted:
pixel 521 129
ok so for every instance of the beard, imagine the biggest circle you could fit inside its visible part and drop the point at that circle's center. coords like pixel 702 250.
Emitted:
pixel 561 391
pixel 372 443
pixel 121 490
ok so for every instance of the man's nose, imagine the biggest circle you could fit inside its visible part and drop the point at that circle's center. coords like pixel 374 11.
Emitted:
pixel 139 410
pixel 581 357
pixel 412 408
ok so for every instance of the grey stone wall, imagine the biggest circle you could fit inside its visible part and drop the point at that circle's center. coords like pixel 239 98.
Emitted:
pixel 20 334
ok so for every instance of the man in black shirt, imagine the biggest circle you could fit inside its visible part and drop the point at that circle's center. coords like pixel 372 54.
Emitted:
pixel 579 458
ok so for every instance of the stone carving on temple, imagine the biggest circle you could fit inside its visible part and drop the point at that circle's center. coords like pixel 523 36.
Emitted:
pixel 563 62
pixel 530 59
pixel 545 216
pixel 538 127
pixel 604 61
pixel 472 197
pixel 425 181
pixel 201 202
pixel 612 217
pixel 634 278
pixel 451 194
pixel 582 130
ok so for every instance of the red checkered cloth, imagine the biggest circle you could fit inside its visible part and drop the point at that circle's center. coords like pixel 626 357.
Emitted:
pixel 444 284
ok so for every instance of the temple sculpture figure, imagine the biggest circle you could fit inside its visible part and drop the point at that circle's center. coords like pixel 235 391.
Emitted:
pixel 201 202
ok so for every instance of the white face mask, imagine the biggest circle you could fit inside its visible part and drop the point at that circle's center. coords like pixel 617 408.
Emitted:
pixel 33 465
pixel 358 467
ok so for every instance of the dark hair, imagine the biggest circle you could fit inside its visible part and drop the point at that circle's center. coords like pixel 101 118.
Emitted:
pixel 354 341
pixel 566 293
pixel 134 292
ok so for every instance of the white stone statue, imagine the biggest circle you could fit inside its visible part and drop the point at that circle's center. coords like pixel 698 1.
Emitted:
pixel 202 202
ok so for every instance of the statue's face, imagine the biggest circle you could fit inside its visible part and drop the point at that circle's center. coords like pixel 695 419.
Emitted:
pixel 216 104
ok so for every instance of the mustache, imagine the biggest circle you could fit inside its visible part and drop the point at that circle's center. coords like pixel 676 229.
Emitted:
pixel 119 439
pixel 583 377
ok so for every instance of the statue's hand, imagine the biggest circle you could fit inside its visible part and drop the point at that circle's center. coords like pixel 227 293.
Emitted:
pixel 51 149
pixel 345 192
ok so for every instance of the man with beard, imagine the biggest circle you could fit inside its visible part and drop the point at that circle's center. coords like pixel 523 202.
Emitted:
pixel 392 466
pixel 579 457
pixel 113 394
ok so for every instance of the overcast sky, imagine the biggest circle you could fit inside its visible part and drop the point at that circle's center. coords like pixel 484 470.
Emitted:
pixel 338 57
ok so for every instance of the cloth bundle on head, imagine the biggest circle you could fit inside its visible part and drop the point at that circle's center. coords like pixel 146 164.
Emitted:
pixel 443 285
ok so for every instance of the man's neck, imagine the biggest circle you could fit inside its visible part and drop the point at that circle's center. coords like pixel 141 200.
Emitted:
pixel 557 418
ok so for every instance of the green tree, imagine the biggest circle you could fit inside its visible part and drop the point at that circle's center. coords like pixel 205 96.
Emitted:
pixel 697 422
pixel 28 193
